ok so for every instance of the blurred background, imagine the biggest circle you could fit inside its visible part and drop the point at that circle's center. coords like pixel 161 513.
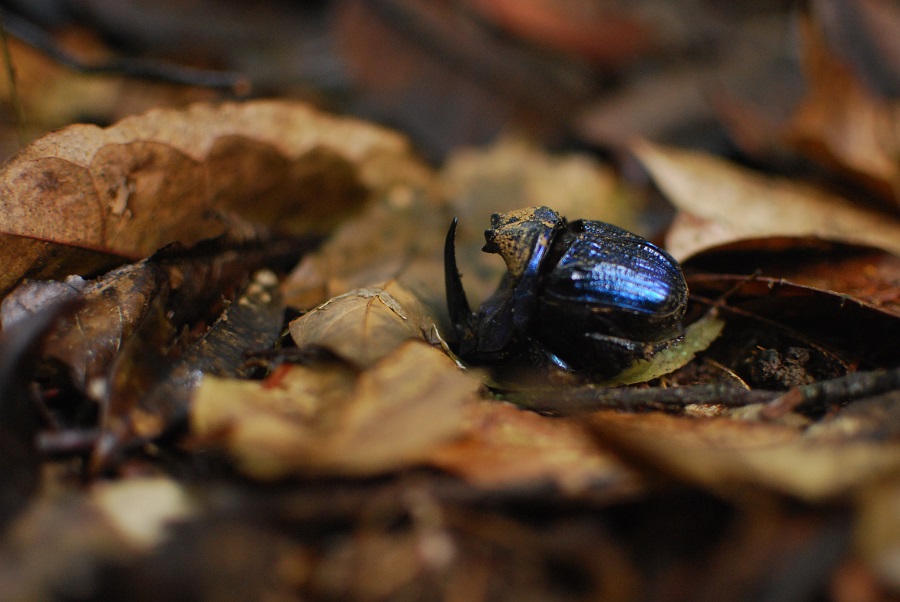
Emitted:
pixel 574 73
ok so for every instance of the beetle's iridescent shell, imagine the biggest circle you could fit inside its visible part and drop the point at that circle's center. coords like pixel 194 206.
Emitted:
pixel 585 295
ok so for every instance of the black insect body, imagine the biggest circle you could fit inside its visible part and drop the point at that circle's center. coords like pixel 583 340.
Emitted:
pixel 584 296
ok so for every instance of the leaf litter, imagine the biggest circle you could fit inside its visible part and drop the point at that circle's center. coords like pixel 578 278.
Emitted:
pixel 415 462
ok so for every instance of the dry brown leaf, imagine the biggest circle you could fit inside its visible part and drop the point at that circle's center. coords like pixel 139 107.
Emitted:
pixel 186 175
pixel 514 173
pixel 868 275
pixel 721 202
pixel 856 332
pixel 729 456
pixel 364 325
pixel 324 421
pixel 843 124
pixel 508 447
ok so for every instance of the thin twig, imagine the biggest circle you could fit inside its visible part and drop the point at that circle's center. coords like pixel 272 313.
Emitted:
pixel 128 67
pixel 851 387
pixel 576 400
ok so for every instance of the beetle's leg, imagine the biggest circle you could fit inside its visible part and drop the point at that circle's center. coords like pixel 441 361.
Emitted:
pixel 457 304
pixel 635 349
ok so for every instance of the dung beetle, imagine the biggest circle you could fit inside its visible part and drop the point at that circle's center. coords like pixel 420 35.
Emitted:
pixel 583 296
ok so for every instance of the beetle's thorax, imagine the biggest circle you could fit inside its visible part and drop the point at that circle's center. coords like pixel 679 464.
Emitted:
pixel 517 236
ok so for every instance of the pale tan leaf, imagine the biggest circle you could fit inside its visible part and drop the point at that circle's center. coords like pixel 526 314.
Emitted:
pixel 878 530
pixel 323 420
pixel 364 325
pixel 727 203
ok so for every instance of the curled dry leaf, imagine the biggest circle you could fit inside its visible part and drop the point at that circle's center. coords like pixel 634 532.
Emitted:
pixel 721 202
pixel 364 325
pixel 868 275
pixel 111 308
pixel 506 447
pixel 729 456
pixel 188 175
pixel 322 420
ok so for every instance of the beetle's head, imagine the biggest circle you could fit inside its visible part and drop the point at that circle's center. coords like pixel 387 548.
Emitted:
pixel 515 235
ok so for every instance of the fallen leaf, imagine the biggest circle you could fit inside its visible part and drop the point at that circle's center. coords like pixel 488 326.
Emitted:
pixel 442 73
pixel 189 175
pixel 606 35
pixel 142 509
pixel 364 325
pixel 721 202
pixel 396 239
pixel 111 308
pixel 697 337
pixel 878 531
pixel 312 420
pixel 730 456
pixel 505 447
pixel 868 275
pixel 863 33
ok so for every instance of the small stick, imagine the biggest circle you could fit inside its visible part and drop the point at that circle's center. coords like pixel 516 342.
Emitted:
pixel 578 400
pixel 129 67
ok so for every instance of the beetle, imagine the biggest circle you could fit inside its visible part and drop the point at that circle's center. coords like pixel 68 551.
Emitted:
pixel 583 296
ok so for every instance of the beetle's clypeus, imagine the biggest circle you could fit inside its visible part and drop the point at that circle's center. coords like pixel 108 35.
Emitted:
pixel 584 296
